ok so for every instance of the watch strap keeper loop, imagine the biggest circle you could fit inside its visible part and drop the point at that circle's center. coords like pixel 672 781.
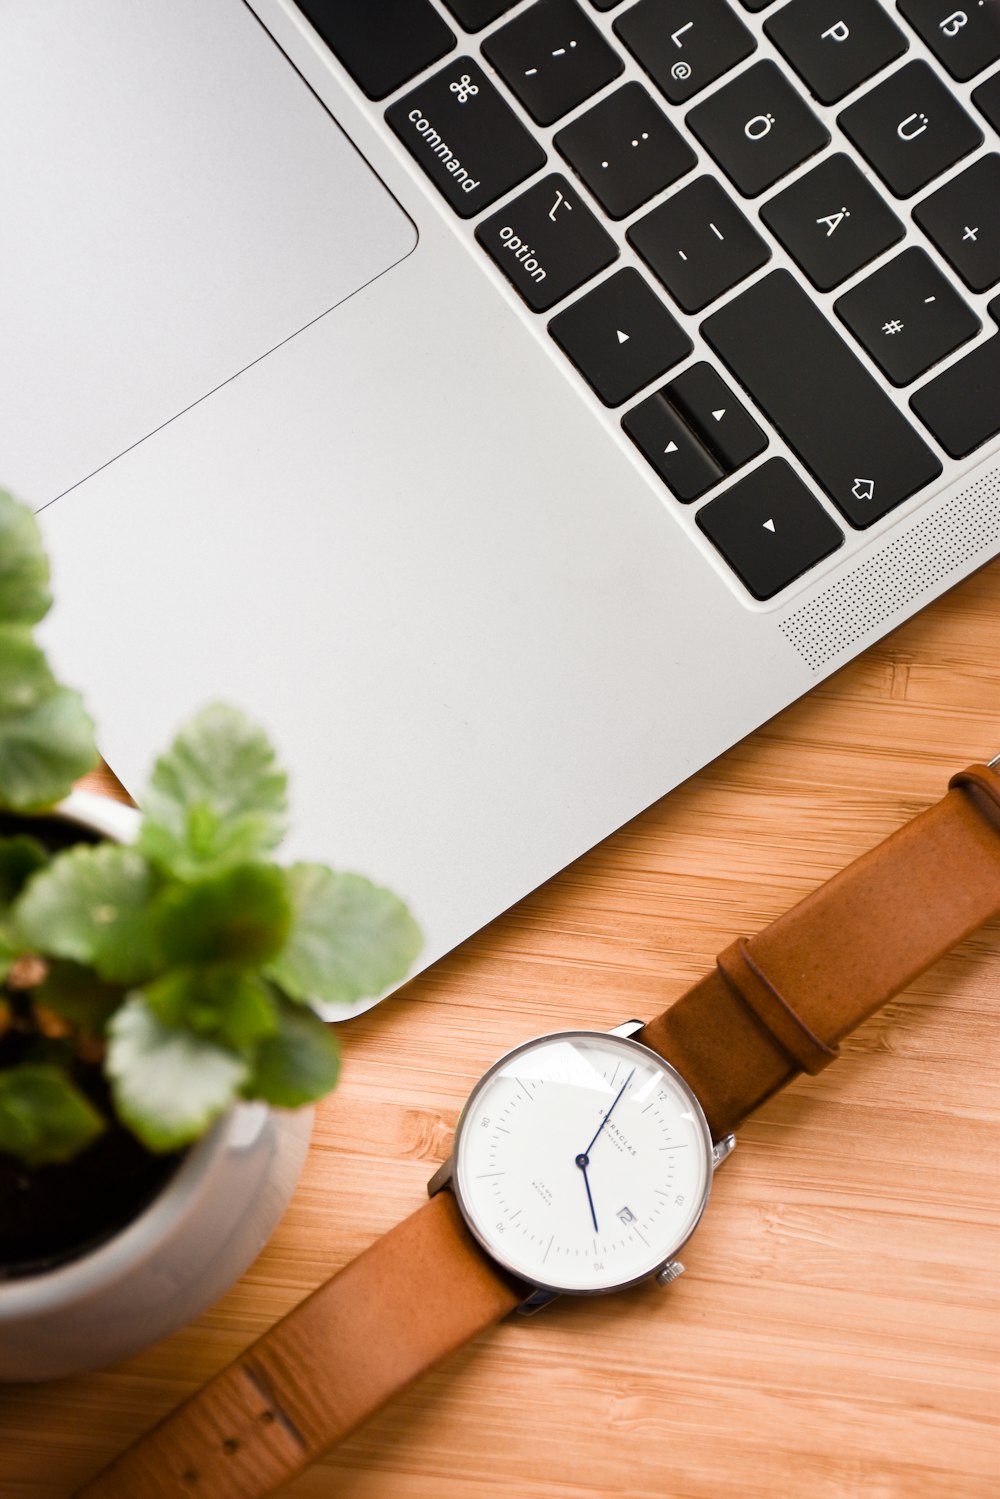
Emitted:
pixel 983 779
pixel 771 1010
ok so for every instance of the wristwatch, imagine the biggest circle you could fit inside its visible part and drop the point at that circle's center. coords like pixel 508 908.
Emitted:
pixel 582 1160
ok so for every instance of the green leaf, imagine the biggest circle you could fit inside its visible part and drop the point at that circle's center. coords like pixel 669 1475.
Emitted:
pixel 224 1003
pixel 78 995
pixel 44 1118
pixel 90 905
pixel 349 938
pixel 24 570
pixel 168 1084
pixel 241 916
pixel 25 676
pixel 298 1064
pixel 44 747
pixel 20 857
pixel 215 799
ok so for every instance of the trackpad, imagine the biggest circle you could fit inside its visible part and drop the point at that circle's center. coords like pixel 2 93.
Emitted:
pixel 176 204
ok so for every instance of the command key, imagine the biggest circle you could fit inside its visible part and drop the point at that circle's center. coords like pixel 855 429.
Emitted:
pixel 465 136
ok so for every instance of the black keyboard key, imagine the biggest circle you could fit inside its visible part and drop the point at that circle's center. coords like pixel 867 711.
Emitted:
pixel 835 45
pixel 770 528
pixel 383 45
pixel 625 149
pixel 756 4
pixel 698 243
pixel 961 406
pixel 552 57
pixel 685 44
pixel 832 221
pixel 465 136
pixel 547 242
pixel 620 336
pixel 911 128
pixel 475 14
pixel 963 220
pixel 758 127
pixel 966 38
pixel 986 98
pixel 664 438
pixel 717 418
pixel 831 411
pixel 994 309
pixel 907 315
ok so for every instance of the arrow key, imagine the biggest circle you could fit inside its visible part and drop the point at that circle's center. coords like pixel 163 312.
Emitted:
pixel 620 336
pixel 722 423
pixel 770 528
pixel 663 437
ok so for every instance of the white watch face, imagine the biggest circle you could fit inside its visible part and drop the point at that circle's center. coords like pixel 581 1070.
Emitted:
pixel 582 1161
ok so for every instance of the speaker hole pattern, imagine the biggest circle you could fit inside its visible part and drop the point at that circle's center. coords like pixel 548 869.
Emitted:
pixel 962 528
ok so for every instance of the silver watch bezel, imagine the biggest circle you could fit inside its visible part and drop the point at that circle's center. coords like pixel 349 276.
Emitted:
pixel 494 1251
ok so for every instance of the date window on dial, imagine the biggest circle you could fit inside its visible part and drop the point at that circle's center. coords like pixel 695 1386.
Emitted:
pixel 626 1215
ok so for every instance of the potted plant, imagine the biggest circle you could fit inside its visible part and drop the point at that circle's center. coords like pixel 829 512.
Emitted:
pixel 158 1046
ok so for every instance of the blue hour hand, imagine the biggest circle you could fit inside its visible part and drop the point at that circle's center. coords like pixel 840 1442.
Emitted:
pixel 583 1161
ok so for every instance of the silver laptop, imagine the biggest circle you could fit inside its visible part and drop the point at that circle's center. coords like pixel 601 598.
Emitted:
pixel 510 405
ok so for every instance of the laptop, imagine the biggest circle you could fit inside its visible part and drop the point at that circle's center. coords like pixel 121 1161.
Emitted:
pixel 509 405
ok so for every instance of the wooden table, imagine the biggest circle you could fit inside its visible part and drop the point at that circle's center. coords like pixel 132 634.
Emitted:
pixel 838 1330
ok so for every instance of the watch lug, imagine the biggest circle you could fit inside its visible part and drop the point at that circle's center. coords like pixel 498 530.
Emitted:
pixel 721 1149
pixel 534 1303
pixel 441 1178
pixel 627 1028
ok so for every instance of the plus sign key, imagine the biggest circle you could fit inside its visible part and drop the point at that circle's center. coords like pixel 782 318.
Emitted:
pixel 963 220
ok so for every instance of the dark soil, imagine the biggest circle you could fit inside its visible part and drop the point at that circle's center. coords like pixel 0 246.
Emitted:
pixel 52 1214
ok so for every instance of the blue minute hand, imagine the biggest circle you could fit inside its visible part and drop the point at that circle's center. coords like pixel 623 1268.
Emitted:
pixel 607 1116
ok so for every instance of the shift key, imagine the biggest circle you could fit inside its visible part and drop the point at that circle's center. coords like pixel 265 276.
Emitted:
pixel 465 136
pixel 827 406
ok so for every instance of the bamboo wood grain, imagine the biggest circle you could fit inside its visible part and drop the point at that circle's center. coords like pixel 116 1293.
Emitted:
pixel 838 1330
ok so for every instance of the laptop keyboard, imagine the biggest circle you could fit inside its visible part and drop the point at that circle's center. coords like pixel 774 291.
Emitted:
pixel 725 151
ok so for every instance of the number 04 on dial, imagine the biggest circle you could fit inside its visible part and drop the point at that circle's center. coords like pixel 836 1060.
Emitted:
pixel 582 1162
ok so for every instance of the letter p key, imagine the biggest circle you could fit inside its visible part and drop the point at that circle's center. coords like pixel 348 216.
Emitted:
pixel 838 32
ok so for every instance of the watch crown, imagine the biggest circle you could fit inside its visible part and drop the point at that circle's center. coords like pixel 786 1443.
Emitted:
pixel 669 1272
pixel 722 1148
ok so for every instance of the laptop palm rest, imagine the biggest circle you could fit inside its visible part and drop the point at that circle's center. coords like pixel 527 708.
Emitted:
pixel 239 214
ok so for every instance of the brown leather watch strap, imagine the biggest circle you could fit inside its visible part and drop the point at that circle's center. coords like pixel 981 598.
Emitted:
pixel 776 1005
pixel 419 1292
pixel 780 1003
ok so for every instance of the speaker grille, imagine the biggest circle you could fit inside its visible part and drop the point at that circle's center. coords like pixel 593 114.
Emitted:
pixel 885 584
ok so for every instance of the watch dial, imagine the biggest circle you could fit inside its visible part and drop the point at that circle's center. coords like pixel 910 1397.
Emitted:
pixel 582 1161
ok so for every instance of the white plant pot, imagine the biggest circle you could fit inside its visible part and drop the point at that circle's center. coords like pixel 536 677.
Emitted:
pixel 209 1222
